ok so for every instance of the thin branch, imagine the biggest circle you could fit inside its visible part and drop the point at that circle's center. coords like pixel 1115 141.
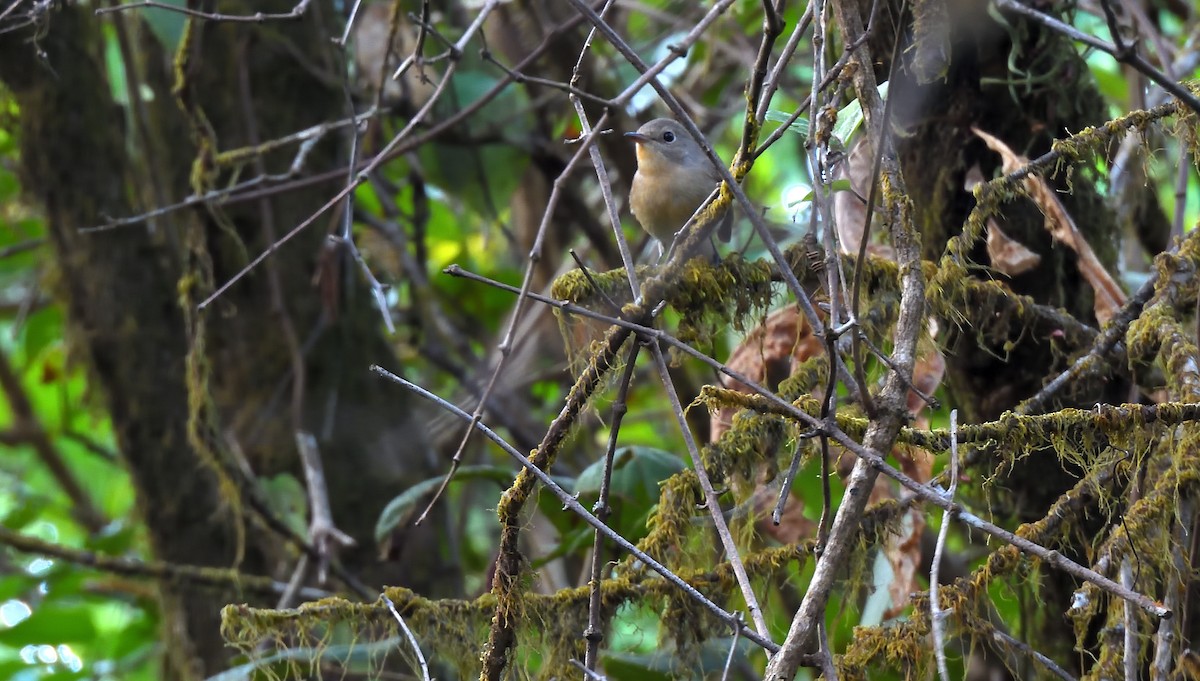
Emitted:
pixel 1169 631
pixel 306 138
pixel 1039 657
pixel 571 504
pixel 711 501
pixel 21 247
pixel 589 674
pixel 828 668
pixel 412 640
pixel 937 617
pixel 326 538
pixel 729 657
pixel 199 575
pixel 594 634
pixel 256 18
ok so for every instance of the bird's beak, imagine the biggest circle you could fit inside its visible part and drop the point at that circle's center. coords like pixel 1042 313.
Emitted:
pixel 638 137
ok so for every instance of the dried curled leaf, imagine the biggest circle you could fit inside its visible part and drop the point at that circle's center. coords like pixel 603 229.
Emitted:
pixel 850 208
pixel 1109 296
pixel 1008 255
pixel 767 356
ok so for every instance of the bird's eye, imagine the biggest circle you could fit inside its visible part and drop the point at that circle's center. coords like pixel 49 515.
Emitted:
pixel 668 136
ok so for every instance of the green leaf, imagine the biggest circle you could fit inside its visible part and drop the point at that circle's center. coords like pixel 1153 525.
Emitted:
pixel 633 493
pixel 401 509
pixel 289 499
pixel 798 126
pixel 636 473
pixel 165 24
pixel 52 624
pixel 835 186
pixel 849 117
pixel 12 586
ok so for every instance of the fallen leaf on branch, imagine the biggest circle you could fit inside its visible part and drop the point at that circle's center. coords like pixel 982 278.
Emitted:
pixel 1109 296
pixel 767 356
pixel 1008 255
pixel 771 353
pixel 850 208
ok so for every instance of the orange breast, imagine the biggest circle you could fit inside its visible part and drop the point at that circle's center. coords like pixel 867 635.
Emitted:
pixel 663 196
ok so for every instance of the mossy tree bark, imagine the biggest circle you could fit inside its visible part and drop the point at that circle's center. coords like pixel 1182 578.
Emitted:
pixel 956 71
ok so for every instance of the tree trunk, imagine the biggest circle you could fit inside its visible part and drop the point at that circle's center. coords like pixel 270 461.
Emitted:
pixel 131 293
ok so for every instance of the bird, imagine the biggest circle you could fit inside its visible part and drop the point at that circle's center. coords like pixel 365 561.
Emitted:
pixel 673 178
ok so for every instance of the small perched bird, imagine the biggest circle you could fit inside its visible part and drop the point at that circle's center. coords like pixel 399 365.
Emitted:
pixel 673 178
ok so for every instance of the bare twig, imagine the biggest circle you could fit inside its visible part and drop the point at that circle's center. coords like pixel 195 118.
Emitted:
pixel 828 668
pixel 589 674
pixel 200 575
pixel 323 534
pixel 412 640
pixel 729 657
pixel 594 634
pixel 937 617
pixel 712 501
pixel 256 18
pixel 306 139
pixel 1040 658
pixel 1167 638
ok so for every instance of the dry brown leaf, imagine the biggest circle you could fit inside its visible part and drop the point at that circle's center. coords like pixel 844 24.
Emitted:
pixel 927 376
pixel 903 549
pixel 1109 296
pixel 849 207
pixel 1007 254
pixel 767 356
pixel 849 210
pixel 793 526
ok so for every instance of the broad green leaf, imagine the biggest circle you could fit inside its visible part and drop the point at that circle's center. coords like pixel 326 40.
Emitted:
pixel 52 624
pixel 166 25
pixel 798 126
pixel 636 473
pixel 835 186
pixel 848 119
pixel 633 493
pixel 289 499
pixel 401 509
